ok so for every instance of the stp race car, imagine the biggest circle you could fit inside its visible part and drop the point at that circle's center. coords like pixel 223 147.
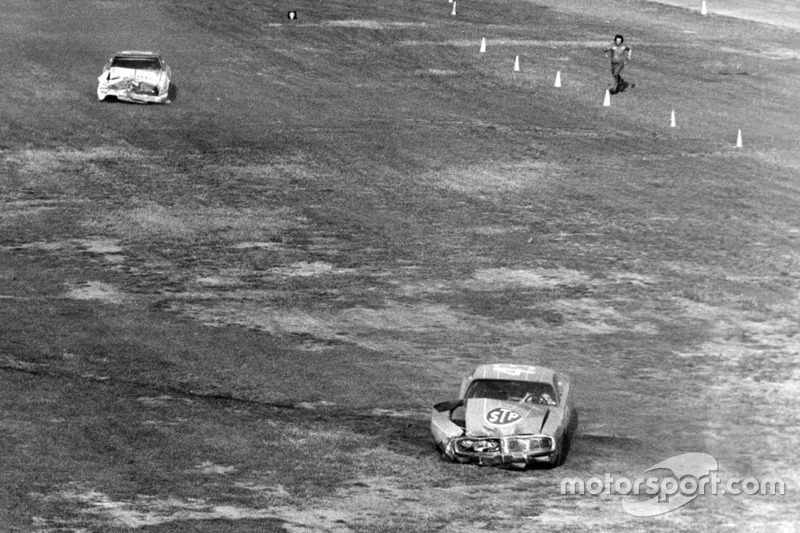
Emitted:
pixel 140 77
pixel 509 415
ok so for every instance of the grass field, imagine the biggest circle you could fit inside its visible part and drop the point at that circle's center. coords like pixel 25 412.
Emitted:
pixel 233 313
pixel 778 12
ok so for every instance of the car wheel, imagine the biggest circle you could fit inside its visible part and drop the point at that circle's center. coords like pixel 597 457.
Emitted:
pixel 440 452
pixel 558 458
pixel 562 454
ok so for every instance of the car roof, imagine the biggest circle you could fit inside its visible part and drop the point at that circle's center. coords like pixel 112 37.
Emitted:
pixel 512 372
pixel 136 53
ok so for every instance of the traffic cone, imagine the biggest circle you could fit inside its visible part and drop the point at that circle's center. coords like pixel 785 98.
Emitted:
pixel 607 100
pixel 672 120
pixel 703 10
pixel 483 45
pixel 739 139
pixel 558 79
pixel 454 8
pixel 516 64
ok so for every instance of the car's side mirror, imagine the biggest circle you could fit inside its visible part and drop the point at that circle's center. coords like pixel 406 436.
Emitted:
pixel 448 406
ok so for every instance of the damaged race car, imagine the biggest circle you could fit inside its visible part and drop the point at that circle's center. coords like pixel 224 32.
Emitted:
pixel 507 415
pixel 140 77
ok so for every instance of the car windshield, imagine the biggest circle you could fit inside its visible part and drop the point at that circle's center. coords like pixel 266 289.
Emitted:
pixel 137 63
pixel 512 391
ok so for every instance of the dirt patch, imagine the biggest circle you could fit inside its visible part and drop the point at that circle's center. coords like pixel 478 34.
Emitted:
pixel 155 401
pixel 43 246
pixel 100 245
pixel 498 178
pixel 39 161
pixel 18 208
pixel 774 53
pixel 501 278
pixel 96 290
pixel 155 221
pixel 591 316
pixel 258 245
pixel 216 281
pixel 207 467
pixel 63 171
pixel 315 405
pixel 498 230
pixel 150 511
pixel 373 24
pixel 316 268
pixel 435 72
pixel 354 321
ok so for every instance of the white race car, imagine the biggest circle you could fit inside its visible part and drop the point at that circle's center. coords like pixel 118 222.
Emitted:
pixel 507 415
pixel 132 76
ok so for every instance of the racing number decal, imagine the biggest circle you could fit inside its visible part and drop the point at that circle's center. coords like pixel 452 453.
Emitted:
pixel 513 370
pixel 501 416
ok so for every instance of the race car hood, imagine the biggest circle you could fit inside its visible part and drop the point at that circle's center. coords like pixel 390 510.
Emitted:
pixel 147 76
pixel 498 418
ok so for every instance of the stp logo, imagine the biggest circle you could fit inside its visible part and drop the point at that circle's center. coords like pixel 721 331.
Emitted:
pixel 501 415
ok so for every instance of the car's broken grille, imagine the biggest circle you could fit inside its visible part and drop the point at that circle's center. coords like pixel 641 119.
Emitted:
pixel 478 445
pixel 515 444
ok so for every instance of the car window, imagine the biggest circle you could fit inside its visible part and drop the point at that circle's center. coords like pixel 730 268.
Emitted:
pixel 137 63
pixel 513 391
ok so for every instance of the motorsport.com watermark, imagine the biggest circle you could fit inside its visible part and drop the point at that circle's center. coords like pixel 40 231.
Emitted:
pixel 694 474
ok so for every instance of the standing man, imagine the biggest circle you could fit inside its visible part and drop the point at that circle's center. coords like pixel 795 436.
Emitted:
pixel 620 54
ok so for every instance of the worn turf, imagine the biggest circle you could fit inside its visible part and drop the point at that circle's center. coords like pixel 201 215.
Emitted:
pixel 233 312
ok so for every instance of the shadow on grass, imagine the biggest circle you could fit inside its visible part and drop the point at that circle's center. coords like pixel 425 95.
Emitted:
pixel 172 92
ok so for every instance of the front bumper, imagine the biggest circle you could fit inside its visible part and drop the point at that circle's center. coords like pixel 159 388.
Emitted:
pixel 130 92
pixel 520 450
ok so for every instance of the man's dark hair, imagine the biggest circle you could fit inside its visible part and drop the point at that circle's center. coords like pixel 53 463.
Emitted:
pixel 620 37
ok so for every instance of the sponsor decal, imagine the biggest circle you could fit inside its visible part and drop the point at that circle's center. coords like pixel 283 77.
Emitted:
pixel 513 370
pixel 501 416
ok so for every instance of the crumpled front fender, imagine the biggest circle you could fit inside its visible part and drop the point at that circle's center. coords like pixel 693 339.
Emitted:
pixel 443 429
pixel 132 90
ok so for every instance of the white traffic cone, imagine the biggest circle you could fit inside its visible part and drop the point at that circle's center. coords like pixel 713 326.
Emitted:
pixel 703 9
pixel 558 79
pixel 607 100
pixel 672 120
pixel 483 45
pixel 739 139
pixel 454 8
pixel 516 64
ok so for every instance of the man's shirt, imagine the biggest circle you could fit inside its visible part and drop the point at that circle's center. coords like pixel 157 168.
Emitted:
pixel 618 52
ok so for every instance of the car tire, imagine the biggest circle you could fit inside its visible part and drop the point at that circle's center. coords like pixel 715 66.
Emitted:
pixel 558 460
